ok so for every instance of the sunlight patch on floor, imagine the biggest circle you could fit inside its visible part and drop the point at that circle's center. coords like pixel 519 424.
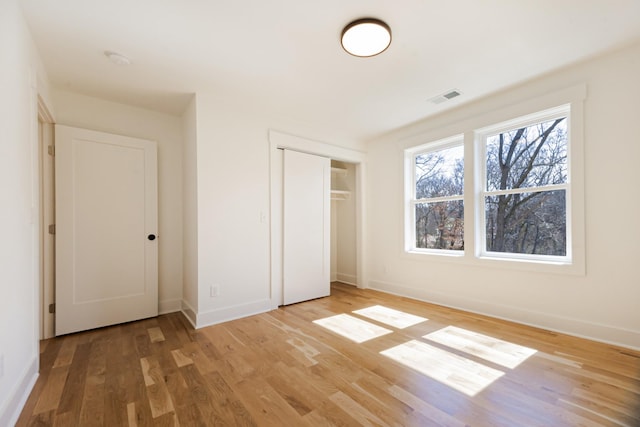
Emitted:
pixel 462 374
pixel 352 328
pixel 485 347
pixel 388 316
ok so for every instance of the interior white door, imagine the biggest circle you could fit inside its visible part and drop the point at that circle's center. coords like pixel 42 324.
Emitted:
pixel 306 226
pixel 106 224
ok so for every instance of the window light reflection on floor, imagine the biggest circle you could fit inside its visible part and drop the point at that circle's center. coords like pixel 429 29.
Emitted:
pixel 352 328
pixel 388 316
pixel 485 347
pixel 457 372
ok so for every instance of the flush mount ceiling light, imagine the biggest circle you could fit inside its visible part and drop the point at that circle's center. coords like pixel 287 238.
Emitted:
pixel 366 37
pixel 117 58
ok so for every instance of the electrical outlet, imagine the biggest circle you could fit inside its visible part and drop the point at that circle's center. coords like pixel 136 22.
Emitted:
pixel 215 291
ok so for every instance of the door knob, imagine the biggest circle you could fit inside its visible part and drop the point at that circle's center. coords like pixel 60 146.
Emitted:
pixel 151 237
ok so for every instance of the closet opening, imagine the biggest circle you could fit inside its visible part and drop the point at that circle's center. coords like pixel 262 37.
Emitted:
pixel 344 250
pixel 343 223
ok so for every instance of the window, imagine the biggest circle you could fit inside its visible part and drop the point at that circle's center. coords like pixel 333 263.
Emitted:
pixel 437 206
pixel 525 185
pixel 521 204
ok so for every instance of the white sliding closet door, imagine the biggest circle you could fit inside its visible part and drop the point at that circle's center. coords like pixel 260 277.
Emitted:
pixel 307 226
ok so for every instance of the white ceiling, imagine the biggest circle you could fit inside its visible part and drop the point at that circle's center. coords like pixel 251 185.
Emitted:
pixel 285 55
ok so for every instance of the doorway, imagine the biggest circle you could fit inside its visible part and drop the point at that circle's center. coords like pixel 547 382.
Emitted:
pixel 138 159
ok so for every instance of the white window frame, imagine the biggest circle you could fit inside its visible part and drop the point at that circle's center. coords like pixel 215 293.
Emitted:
pixel 510 112
pixel 481 191
pixel 410 193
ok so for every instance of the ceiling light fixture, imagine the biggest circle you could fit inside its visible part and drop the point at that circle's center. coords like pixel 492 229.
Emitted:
pixel 366 37
pixel 117 58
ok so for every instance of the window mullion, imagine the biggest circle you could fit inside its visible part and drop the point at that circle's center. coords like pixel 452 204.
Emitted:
pixel 551 187
pixel 440 199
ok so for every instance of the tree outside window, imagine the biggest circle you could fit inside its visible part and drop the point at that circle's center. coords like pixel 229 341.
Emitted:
pixel 525 193
pixel 438 204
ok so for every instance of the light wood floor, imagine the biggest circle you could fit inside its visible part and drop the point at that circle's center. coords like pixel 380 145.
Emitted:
pixel 449 368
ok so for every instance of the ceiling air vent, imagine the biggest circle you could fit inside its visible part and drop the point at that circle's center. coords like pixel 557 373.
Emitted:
pixel 445 96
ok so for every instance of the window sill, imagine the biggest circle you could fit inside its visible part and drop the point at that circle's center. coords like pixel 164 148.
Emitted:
pixel 436 252
pixel 502 263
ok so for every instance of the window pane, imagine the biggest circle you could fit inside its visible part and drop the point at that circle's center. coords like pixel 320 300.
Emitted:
pixel 527 223
pixel 532 156
pixel 440 173
pixel 440 225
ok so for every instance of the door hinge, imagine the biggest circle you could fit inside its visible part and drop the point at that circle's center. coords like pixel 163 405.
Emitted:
pixel 52 229
pixel 51 150
pixel 52 308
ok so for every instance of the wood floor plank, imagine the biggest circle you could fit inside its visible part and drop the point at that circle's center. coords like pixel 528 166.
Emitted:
pixel 132 420
pixel 193 351
pixel 139 413
pixel 49 354
pixel 207 408
pixel 159 398
pixel 265 404
pixel 426 410
pixel 67 350
pixel 65 419
pixel 223 341
pixel 280 368
pixel 49 399
pixel 155 334
pixel 93 396
pixel 227 401
pixel 72 394
pixel 116 384
pixel 180 394
pixel 356 411
pixel 294 386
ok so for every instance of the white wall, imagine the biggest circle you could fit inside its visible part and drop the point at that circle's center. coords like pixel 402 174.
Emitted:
pixel 92 113
pixel 233 194
pixel 233 206
pixel 190 212
pixel 21 78
pixel 604 304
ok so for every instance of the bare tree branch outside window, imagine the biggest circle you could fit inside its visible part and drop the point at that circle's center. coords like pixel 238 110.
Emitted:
pixel 527 222
pixel 439 212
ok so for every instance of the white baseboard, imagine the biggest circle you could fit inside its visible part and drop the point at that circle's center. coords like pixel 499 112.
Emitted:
pixel 225 314
pixel 570 326
pixel 348 279
pixel 189 312
pixel 12 406
pixel 169 306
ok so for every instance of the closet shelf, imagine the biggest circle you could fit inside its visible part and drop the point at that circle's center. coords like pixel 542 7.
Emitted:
pixel 338 171
pixel 340 195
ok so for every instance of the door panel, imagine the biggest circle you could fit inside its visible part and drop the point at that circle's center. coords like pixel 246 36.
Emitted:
pixel 306 215
pixel 106 205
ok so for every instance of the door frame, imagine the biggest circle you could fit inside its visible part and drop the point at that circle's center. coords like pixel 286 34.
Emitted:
pixel 46 167
pixel 280 140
